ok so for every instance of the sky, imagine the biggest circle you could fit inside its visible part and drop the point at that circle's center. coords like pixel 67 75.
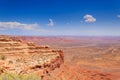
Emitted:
pixel 60 17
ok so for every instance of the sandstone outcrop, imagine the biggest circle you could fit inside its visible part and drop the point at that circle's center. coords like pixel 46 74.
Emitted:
pixel 23 58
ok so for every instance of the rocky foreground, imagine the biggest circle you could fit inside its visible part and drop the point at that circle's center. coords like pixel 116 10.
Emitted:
pixel 24 58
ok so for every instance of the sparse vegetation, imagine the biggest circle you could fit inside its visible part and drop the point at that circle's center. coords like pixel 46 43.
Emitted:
pixel 2 57
pixel 18 60
pixel 11 76
pixel 10 62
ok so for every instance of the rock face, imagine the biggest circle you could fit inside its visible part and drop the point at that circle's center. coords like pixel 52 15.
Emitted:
pixel 23 58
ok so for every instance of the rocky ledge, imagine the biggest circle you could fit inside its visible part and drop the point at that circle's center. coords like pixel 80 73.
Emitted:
pixel 24 58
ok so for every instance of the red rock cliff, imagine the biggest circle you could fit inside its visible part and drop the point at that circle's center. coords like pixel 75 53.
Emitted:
pixel 23 58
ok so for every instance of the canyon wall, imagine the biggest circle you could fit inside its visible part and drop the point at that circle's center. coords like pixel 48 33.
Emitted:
pixel 24 58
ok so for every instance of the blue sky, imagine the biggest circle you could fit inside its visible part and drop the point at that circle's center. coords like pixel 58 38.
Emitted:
pixel 60 17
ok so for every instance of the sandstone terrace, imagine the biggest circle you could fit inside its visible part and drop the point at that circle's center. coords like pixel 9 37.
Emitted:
pixel 24 58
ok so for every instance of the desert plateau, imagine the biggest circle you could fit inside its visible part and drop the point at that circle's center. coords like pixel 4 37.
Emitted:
pixel 61 57
pixel 59 39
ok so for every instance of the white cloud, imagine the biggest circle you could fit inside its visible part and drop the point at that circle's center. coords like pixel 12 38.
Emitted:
pixel 51 23
pixel 18 25
pixel 12 25
pixel 118 16
pixel 89 18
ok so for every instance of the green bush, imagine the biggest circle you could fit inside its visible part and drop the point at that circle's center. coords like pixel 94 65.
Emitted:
pixel 10 76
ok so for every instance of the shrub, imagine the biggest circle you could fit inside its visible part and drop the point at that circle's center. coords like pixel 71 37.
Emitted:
pixel 2 57
pixel 11 76
pixel 10 62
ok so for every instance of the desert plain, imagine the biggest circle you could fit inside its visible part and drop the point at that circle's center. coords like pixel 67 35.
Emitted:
pixel 100 56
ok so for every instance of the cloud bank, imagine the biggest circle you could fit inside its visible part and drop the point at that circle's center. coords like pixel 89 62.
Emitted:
pixel 89 18
pixel 21 26
pixel 51 23
pixel 17 25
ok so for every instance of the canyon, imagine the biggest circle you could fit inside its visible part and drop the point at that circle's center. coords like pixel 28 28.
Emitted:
pixel 61 58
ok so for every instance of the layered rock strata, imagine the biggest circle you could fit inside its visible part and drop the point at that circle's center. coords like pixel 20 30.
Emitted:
pixel 23 58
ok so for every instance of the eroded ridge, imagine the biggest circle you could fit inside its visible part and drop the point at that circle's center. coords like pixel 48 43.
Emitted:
pixel 23 58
